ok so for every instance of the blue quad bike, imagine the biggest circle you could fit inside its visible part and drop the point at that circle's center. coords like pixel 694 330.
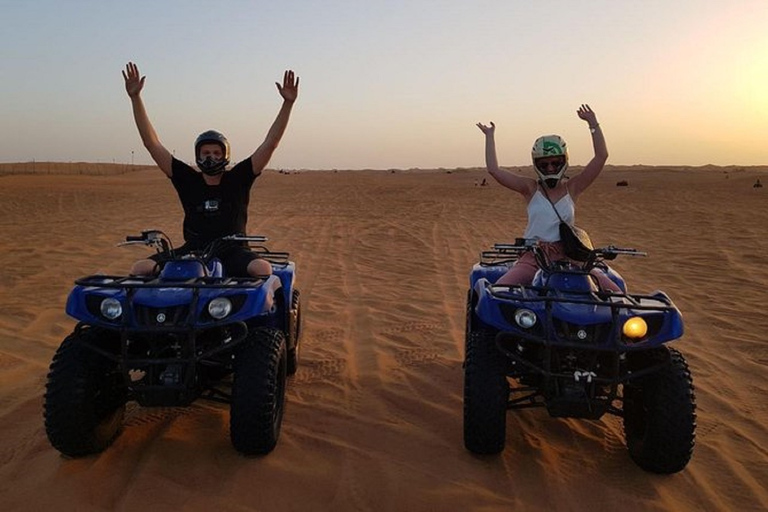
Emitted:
pixel 579 352
pixel 188 333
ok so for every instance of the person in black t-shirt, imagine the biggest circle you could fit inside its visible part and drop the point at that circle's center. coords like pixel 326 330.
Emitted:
pixel 215 200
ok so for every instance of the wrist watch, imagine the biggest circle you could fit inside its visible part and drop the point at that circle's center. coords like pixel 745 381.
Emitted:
pixel 593 129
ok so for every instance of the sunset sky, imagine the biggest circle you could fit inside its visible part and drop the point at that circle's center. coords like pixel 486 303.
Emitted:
pixel 389 83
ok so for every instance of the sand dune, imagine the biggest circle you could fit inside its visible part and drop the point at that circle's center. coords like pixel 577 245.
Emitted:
pixel 374 414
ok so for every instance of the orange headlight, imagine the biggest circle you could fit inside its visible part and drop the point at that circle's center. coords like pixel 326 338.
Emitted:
pixel 635 328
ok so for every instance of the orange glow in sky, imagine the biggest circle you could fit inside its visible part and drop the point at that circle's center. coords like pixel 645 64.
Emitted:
pixel 391 83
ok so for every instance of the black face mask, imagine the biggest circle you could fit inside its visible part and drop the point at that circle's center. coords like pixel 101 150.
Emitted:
pixel 211 167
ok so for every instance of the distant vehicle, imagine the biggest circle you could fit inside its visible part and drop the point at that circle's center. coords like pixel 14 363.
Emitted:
pixel 189 333
pixel 577 351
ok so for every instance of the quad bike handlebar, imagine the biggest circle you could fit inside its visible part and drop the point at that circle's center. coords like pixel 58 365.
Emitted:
pixel 508 253
pixel 150 237
pixel 163 245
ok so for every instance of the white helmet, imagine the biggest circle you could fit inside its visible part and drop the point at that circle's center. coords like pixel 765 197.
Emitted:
pixel 549 146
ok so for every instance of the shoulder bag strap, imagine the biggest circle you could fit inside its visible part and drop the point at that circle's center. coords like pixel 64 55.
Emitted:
pixel 553 204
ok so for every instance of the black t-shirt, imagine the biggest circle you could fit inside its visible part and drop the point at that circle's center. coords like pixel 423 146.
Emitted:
pixel 214 211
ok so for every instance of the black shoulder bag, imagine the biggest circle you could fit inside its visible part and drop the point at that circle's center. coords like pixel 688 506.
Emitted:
pixel 576 242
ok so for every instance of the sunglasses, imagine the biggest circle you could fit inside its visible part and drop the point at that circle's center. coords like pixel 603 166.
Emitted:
pixel 544 165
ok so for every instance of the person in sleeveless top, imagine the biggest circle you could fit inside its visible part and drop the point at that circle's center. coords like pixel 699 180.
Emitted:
pixel 550 161
pixel 215 199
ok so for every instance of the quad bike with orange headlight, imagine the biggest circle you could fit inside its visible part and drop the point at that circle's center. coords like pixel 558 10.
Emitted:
pixel 564 344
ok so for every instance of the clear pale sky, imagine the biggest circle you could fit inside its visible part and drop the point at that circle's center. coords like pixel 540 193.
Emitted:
pixel 389 83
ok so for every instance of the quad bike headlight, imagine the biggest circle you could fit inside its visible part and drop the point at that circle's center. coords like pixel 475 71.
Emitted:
pixel 111 308
pixel 220 307
pixel 525 318
pixel 635 328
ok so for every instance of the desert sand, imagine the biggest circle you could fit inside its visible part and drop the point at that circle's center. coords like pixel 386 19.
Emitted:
pixel 374 415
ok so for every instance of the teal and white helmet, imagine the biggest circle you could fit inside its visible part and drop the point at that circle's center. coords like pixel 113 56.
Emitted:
pixel 546 150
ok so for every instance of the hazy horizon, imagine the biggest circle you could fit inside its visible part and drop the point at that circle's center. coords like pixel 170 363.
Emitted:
pixel 58 167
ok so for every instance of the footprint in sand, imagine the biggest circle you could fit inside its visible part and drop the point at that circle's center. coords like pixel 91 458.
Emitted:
pixel 320 370
pixel 705 428
pixel 412 327
pixel 312 369
pixel 415 357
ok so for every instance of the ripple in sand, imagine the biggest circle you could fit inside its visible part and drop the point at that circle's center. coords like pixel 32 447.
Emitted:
pixel 8 361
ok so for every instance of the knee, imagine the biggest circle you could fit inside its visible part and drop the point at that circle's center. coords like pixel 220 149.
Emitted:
pixel 144 268
pixel 514 277
pixel 605 282
pixel 520 273
pixel 259 268
pixel 508 279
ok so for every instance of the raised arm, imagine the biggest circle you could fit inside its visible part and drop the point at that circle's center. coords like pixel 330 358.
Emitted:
pixel 521 184
pixel 289 91
pixel 592 170
pixel 133 86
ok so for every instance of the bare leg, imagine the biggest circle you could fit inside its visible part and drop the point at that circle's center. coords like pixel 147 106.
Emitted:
pixel 144 268
pixel 522 272
pixel 259 268
pixel 605 282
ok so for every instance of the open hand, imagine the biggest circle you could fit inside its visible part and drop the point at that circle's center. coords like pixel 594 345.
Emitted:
pixel 586 114
pixel 488 130
pixel 290 88
pixel 133 84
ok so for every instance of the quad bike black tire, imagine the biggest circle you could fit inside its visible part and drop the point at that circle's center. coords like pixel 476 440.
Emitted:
pixel 85 395
pixel 660 415
pixel 468 319
pixel 486 393
pixel 258 392
pixel 294 352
